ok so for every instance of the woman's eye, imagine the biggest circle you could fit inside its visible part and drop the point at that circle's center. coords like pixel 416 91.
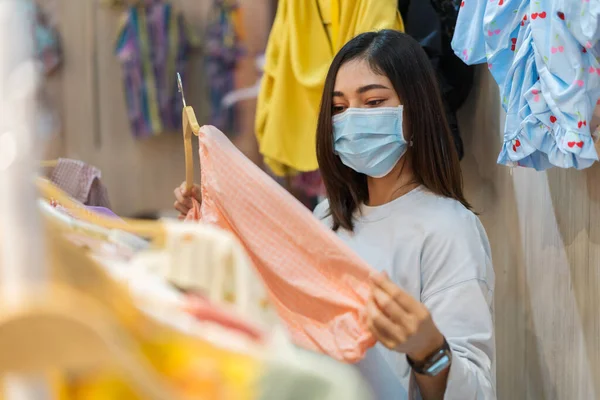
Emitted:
pixel 374 103
pixel 338 109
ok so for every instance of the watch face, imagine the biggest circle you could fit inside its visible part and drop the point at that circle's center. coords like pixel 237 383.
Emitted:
pixel 441 362
pixel 436 363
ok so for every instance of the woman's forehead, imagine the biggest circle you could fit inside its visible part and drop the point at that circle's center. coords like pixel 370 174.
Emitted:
pixel 355 74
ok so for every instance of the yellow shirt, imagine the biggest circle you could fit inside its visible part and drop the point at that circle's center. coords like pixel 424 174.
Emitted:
pixel 305 37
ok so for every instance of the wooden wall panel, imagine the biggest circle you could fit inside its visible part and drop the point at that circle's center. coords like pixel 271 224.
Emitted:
pixel 543 228
pixel 140 174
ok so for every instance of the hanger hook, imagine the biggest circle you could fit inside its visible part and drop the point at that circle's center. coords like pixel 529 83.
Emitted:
pixel 180 86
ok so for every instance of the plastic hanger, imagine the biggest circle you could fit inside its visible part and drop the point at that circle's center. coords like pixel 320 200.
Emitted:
pixel 190 127
pixel 155 231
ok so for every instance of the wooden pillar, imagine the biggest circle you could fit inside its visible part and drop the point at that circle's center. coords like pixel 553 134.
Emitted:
pixel 544 230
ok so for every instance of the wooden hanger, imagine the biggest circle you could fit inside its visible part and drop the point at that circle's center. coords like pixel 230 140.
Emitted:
pixel 190 127
pixel 70 224
pixel 155 231
pixel 48 163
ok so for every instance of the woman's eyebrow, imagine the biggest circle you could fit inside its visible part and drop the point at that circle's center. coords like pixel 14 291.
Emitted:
pixel 364 89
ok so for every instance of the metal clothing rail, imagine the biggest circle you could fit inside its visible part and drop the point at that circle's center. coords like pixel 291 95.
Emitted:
pixel 21 244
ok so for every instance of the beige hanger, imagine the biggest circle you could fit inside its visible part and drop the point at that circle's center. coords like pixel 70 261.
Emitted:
pixel 155 231
pixel 190 127
pixel 68 224
pixel 48 163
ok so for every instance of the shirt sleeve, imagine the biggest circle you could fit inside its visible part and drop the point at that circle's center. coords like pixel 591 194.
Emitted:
pixel 457 289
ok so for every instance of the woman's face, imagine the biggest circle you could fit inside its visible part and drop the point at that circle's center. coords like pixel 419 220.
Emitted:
pixel 357 86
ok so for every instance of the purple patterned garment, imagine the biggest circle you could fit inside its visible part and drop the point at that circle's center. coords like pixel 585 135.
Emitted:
pixel 102 211
pixel 153 45
pixel 222 56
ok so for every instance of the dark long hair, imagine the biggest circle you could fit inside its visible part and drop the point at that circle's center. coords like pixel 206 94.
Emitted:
pixel 433 155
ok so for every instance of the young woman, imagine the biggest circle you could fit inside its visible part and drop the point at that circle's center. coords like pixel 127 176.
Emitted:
pixel 395 197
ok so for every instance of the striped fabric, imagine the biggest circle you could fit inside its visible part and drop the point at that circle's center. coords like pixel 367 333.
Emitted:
pixel 152 45
pixel 222 55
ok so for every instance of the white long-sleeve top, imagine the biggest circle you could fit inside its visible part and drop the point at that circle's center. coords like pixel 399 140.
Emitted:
pixel 436 250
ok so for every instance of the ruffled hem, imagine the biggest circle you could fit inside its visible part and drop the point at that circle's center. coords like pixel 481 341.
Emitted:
pixel 520 151
pixel 538 146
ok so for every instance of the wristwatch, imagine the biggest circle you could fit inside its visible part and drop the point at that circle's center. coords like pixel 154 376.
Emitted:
pixel 438 361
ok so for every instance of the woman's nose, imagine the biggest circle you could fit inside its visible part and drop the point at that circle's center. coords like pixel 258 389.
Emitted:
pixel 356 104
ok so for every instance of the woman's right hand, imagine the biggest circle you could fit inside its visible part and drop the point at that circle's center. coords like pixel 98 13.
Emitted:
pixel 183 198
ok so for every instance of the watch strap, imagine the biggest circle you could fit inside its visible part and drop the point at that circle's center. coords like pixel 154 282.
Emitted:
pixel 435 363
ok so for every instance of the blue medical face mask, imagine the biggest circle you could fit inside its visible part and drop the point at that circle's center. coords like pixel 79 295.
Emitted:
pixel 370 140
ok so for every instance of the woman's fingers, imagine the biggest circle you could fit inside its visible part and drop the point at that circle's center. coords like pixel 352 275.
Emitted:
pixel 197 193
pixel 406 301
pixel 390 307
pixel 179 195
pixel 383 328
pixel 185 196
pixel 181 208
pixel 399 321
pixel 183 200
pixel 405 321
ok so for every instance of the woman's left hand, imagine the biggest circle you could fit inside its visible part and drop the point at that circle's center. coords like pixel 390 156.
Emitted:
pixel 400 322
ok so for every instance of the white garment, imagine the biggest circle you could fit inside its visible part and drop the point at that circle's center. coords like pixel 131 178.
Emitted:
pixel 205 259
pixel 437 251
